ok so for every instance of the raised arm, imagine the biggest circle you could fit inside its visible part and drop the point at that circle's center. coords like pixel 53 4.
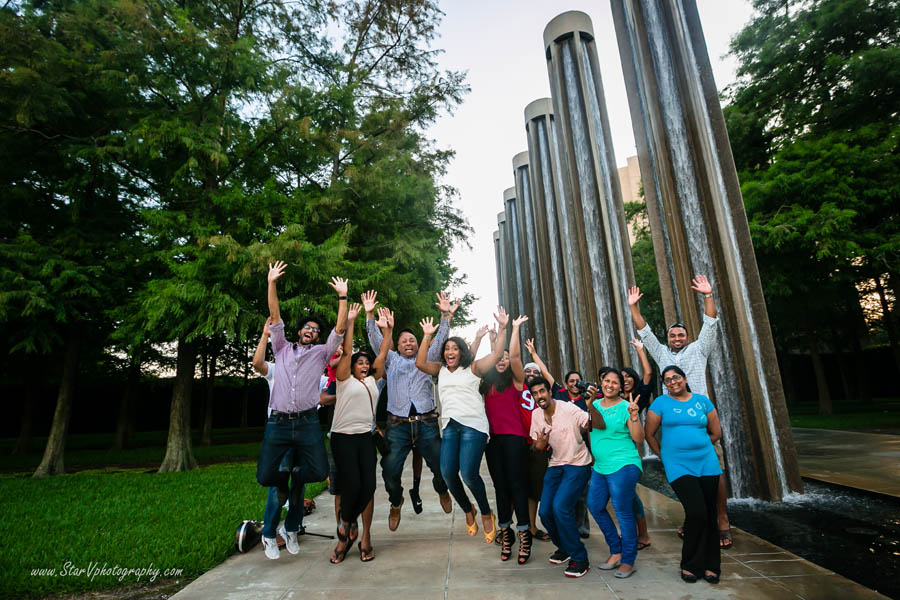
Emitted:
pixel 369 301
pixel 429 367
pixel 275 271
pixel 386 342
pixel 342 372
pixel 482 365
pixel 515 354
pixel 701 285
pixel 259 355
pixel 448 309
pixel 646 370
pixel 339 285
pixel 476 343
pixel 545 372
pixel 634 296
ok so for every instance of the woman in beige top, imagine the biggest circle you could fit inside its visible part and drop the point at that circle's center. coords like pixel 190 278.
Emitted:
pixel 463 419
pixel 351 431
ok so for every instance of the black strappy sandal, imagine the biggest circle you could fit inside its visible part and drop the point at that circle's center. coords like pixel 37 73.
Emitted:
pixel 506 538
pixel 525 539
pixel 343 538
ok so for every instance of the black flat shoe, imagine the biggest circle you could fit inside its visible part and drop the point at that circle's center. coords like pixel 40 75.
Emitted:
pixel 689 577
pixel 711 578
pixel 416 500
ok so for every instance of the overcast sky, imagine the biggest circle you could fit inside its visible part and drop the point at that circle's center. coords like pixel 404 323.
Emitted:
pixel 500 44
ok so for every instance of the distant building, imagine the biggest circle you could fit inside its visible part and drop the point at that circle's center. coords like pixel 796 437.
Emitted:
pixel 630 182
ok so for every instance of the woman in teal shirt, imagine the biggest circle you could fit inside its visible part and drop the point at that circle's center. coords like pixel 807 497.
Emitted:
pixel 615 431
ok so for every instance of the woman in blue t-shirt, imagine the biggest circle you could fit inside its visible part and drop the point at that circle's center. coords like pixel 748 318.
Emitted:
pixel 690 427
pixel 615 429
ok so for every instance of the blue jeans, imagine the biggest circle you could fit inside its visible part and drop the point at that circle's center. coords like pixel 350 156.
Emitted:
pixel 562 487
pixel 618 486
pixel 424 435
pixel 461 451
pixel 272 505
pixel 303 435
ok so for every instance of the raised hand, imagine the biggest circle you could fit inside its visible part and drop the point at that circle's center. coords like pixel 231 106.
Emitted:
pixel 385 318
pixel 637 343
pixel 519 320
pixel 701 285
pixel 529 345
pixel 634 295
pixel 633 408
pixel 339 285
pixel 501 317
pixel 353 311
pixel 590 392
pixel 482 331
pixel 428 326
pixel 444 305
pixel 492 335
pixel 369 300
pixel 276 270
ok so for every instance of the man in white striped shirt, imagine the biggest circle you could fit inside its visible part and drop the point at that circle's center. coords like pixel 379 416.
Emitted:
pixel 691 357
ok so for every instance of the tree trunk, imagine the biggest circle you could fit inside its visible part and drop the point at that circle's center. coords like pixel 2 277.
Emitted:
pixel 206 436
pixel 125 423
pixel 843 364
pixel 23 443
pixel 52 463
pixel 825 406
pixel 888 321
pixel 245 395
pixel 179 453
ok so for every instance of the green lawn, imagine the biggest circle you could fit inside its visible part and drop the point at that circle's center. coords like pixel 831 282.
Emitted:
pixel 881 413
pixel 129 519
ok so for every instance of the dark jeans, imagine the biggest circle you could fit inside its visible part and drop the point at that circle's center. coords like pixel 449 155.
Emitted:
pixel 461 451
pixel 700 550
pixel 562 486
pixel 581 511
pixel 423 435
pixel 506 456
pixel 272 505
pixel 354 455
pixel 619 487
pixel 304 436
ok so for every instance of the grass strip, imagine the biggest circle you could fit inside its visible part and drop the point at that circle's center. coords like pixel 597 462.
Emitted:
pixel 61 530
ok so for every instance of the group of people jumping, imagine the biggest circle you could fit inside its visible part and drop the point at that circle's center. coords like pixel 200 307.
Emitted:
pixel 547 445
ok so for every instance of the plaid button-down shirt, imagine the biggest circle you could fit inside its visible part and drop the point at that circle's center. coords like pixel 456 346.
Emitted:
pixel 691 359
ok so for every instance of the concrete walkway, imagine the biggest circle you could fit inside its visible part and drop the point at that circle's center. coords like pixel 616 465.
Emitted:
pixel 431 557
pixel 867 461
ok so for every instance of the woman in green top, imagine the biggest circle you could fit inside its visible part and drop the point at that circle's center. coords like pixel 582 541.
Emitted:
pixel 615 432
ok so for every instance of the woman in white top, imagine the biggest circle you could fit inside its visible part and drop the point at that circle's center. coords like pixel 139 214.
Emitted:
pixel 463 420
pixel 351 430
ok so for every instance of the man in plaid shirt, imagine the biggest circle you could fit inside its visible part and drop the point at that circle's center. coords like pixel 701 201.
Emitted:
pixel 691 357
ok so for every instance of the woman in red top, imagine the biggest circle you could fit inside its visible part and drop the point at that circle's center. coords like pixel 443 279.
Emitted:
pixel 507 448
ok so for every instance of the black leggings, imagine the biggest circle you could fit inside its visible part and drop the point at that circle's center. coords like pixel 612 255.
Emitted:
pixel 506 456
pixel 354 456
pixel 700 550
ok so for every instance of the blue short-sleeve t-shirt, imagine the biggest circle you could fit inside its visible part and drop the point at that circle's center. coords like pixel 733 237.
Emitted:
pixel 685 447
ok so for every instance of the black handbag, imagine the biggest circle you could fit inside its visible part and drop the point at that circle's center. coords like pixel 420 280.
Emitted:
pixel 381 442
pixel 248 535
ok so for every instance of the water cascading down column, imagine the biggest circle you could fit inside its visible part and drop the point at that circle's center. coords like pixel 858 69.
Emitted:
pixel 534 304
pixel 558 288
pixel 498 261
pixel 516 296
pixel 699 225
pixel 591 187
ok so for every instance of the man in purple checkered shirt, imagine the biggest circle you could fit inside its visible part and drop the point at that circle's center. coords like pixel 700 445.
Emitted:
pixel 294 423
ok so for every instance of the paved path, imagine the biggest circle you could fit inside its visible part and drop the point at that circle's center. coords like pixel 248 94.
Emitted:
pixel 431 557
pixel 868 461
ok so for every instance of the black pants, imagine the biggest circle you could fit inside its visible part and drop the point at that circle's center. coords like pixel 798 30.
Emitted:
pixel 506 456
pixel 700 550
pixel 354 456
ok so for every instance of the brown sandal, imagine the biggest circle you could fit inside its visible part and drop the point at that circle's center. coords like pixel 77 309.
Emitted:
pixel 366 554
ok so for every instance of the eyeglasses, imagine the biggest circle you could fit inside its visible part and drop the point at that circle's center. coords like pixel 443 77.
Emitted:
pixel 311 328
pixel 672 379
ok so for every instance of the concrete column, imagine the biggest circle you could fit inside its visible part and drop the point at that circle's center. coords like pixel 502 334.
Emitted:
pixel 516 290
pixel 556 286
pixel 698 222
pixel 505 278
pixel 499 266
pixel 591 186
pixel 534 301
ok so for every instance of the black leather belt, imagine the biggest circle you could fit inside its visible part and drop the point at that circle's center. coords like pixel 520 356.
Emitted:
pixel 292 415
pixel 413 419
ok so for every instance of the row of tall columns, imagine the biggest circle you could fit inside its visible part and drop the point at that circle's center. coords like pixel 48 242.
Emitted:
pixel 563 254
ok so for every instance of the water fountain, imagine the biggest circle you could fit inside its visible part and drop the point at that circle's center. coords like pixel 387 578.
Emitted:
pixel 534 301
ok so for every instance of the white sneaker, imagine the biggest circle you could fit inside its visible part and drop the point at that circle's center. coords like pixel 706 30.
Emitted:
pixel 271 548
pixel 290 538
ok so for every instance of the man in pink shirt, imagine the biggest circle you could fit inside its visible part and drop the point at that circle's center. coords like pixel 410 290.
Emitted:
pixel 560 426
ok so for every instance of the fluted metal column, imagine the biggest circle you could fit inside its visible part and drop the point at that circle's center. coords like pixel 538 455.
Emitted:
pixel 699 226
pixel 534 302
pixel 517 290
pixel 592 185
pixel 505 274
pixel 499 267
pixel 555 265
